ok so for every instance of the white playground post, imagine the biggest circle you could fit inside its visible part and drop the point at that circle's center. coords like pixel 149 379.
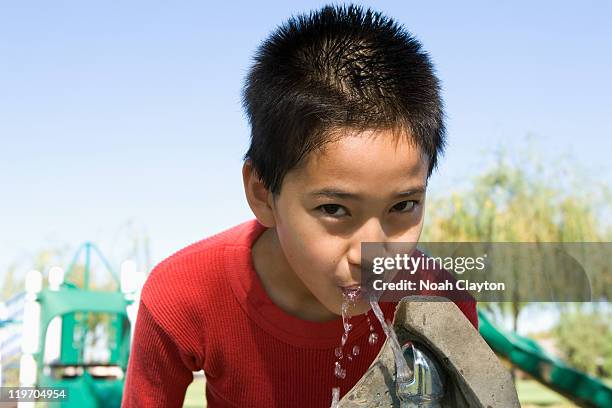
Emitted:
pixel 31 331
pixel 53 343
pixel 132 281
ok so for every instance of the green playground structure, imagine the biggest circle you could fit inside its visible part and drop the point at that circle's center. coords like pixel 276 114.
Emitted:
pixel 527 355
pixel 61 325
pixel 85 387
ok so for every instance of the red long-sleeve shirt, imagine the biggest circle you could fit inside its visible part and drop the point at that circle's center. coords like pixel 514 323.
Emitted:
pixel 205 308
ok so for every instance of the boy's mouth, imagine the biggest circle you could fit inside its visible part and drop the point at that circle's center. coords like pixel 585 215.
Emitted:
pixel 353 293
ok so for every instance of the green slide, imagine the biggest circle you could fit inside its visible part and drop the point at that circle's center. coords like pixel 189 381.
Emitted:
pixel 527 355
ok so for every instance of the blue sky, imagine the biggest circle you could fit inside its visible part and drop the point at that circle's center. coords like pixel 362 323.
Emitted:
pixel 113 111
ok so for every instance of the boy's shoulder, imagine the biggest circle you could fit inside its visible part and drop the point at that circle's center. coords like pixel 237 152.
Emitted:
pixel 184 280
pixel 234 236
pixel 198 262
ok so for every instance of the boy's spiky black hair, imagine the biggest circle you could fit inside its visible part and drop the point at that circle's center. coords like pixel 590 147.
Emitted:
pixel 341 67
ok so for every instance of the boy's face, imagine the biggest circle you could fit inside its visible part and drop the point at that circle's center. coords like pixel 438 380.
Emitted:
pixel 367 187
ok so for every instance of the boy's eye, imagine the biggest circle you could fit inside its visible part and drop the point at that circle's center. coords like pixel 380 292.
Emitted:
pixel 335 210
pixel 404 206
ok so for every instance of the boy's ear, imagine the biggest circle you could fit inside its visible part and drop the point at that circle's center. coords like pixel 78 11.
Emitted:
pixel 257 195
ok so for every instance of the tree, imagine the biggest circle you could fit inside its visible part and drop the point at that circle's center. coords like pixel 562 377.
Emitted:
pixel 522 201
pixel 585 340
pixel 518 202
pixel 11 284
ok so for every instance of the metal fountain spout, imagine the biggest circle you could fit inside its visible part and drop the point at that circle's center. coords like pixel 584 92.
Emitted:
pixel 426 388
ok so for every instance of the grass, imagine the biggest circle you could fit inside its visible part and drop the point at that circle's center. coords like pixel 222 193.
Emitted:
pixel 531 394
pixel 195 396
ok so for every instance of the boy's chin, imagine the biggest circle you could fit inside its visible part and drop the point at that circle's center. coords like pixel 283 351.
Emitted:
pixel 359 307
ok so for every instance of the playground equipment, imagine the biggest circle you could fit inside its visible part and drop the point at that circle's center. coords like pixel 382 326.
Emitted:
pixel 75 337
pixel 527 355
pixel 11 314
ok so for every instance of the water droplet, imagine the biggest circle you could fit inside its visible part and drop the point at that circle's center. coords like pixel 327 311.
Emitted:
pixel 339 372
pixel 373 338
pixel 355 350
pixel 349 295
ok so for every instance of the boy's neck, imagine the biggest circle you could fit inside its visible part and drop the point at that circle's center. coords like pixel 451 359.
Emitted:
pixel 281 284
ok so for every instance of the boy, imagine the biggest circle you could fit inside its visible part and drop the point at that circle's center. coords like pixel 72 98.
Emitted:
pixel 346 127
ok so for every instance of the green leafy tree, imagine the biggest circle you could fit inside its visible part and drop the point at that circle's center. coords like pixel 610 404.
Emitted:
pixel 520 202
pixel 11 284
pixel 585 341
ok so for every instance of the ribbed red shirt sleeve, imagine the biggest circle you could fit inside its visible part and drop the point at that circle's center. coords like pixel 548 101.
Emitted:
pixel 157 374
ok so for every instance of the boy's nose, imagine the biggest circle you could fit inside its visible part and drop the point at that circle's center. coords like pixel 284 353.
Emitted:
pixel 370 231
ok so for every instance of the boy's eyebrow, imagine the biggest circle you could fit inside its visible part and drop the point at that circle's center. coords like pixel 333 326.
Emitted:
pixel 339 193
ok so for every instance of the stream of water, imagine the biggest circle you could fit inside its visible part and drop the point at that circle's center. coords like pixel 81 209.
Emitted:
pixel 403 373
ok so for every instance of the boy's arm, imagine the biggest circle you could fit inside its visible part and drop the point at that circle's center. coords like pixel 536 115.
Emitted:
pixel 158 372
